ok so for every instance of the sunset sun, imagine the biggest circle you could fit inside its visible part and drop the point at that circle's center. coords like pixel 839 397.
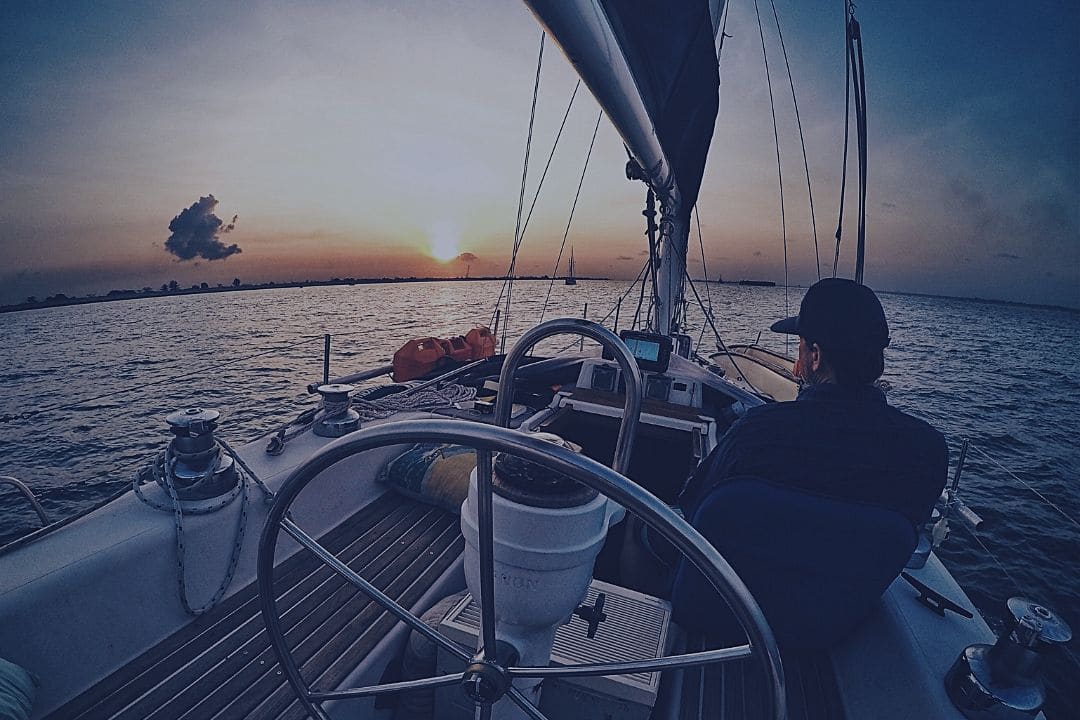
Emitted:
pixel 443 241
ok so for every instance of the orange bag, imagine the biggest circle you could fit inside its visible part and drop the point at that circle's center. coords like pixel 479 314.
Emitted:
pixel 417 358
pixel 457 348
pixel 481 341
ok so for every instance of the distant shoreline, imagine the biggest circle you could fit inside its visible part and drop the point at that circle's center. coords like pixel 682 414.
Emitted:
pixel 61 300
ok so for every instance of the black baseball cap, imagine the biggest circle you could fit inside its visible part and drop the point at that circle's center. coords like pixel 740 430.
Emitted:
pixel 839 314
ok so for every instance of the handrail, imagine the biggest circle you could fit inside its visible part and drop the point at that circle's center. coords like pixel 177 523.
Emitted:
pixel 577 326
pixel 29 495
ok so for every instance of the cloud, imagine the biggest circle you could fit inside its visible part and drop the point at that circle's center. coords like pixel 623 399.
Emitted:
pixel 1008 256
pixel 889 205
pixel 467 257
pixel 624 257
pixel 757 253
pixel 196 230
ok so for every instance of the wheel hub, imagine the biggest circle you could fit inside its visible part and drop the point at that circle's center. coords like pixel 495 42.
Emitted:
pixel 485 682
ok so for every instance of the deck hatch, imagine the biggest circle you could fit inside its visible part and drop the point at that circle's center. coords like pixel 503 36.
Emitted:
pixel 637 628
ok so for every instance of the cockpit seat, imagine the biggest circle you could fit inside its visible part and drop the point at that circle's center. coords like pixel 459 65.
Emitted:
pixel 816 565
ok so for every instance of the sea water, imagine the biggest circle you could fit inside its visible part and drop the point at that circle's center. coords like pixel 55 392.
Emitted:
pixel 91 384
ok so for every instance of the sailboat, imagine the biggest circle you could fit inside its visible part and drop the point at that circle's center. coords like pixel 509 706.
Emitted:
pixel 570 279
pixel 340 568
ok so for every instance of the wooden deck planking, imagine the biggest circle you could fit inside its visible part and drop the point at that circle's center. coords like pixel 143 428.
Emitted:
pixel 221 664
pixel 736 690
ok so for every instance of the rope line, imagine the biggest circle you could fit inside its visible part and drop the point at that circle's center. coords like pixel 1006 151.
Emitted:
pixel 802 140
pixel 162 470
pixel 569 220
pixel 1017 478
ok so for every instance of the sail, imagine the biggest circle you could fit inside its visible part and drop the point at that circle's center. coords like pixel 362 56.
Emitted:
pixel 652 66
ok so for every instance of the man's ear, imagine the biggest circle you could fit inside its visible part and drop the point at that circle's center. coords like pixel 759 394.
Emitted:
pixel 815 357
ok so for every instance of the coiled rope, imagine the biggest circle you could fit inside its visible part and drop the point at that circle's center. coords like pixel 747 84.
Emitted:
pixel 162 470
pixel 427 399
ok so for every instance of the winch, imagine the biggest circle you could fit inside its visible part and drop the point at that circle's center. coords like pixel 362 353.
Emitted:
pixel 337 418
pixel 200 470
pixel 1002 681
pixel 548 531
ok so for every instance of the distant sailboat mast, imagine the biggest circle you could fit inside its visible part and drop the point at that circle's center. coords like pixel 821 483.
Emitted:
pixel 570 279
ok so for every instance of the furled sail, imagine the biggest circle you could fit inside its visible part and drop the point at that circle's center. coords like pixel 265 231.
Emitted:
pixel 652 66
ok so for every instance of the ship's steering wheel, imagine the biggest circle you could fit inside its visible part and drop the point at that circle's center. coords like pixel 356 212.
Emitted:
pixel 487 677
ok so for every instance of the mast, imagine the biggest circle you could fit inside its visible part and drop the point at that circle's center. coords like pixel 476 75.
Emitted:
pixel 653 70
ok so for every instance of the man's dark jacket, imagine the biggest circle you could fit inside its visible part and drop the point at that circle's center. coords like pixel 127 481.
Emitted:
pixel 837 441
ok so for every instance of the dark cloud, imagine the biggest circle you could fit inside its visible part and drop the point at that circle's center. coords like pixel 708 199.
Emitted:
pixel 644 253
pixel 757 253
pixel 889 205
pixel 1008 256
pixel 624 257
pixel 196 230
pixel 467 257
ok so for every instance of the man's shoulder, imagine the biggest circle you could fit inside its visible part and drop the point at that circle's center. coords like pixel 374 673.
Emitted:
pixel 917 428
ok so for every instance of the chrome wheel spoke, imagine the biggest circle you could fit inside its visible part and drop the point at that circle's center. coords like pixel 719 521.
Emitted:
pixel 737 652
pixel 525 704
pixel 402 686
pixel 487 553
pixel 378 596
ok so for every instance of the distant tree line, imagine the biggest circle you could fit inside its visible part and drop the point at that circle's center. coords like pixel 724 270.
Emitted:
pixel 173 288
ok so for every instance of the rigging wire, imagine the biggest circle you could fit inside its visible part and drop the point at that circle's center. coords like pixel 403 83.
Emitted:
pixel 536 196
pixel 779 170
pixel 704 270
pixel 618 302
pixel 802 139
pixel 720 341
pixel 566 232
pixel 1016 477
pixel 847 127
pixel 521 195
pixel 855 55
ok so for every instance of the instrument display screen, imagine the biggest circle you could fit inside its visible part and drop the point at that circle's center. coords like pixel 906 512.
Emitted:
pixel 649 349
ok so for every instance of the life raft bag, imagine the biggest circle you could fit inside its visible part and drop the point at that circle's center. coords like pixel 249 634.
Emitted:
pixel 421 356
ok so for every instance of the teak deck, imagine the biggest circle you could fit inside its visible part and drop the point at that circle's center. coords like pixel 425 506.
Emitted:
pixel 221 665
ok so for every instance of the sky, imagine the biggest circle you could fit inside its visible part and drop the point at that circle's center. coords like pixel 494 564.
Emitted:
pixel 147 142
